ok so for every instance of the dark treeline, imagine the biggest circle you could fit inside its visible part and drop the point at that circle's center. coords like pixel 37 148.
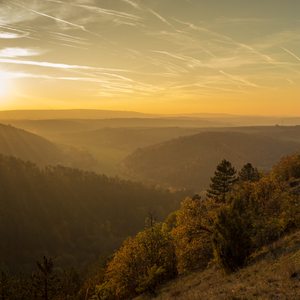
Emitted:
pixel 44 283
pixel 71 215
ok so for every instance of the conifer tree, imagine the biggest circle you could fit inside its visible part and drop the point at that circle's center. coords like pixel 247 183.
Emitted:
pixel 222 181
pixel 248 173
pixel 232 236
pixel 44 280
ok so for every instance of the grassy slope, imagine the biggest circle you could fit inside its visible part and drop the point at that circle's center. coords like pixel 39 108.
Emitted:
pixel 274 273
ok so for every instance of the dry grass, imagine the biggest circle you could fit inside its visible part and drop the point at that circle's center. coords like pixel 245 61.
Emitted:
pixel 270 275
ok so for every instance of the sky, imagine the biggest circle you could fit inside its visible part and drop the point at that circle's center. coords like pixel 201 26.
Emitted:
pixel 152 56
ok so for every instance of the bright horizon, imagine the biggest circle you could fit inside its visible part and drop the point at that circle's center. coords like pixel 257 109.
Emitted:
pixel 159 57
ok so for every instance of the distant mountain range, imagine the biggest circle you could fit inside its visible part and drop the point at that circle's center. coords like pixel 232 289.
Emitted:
pixel 68 114
pixel 207 119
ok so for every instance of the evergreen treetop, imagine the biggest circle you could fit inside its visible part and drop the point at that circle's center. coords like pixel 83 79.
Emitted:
pixel 222 181
pixel 249 173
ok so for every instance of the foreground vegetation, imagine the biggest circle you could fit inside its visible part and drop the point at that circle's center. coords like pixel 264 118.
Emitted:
pixel 228 230
pixel 273 273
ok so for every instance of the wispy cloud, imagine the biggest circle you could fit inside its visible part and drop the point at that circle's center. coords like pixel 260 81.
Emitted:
pixel 109 12
pixel 17 52
pixel 239 79
pixel 69 38
pixel 56 65
pixel 132 3
pixel 291 53
pixel 128 47
pixel 9 35
pixel 109 82
pixel 159 16
pixel 48 16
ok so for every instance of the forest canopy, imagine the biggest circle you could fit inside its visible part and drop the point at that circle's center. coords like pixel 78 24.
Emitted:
pixel 70 214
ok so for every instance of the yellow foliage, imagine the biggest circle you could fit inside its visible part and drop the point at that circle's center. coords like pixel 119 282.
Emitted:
pixel 287 168
pixel 192 233
pixel 142 262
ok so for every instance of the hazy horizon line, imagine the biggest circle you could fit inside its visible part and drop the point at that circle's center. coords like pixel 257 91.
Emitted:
pixel 184 114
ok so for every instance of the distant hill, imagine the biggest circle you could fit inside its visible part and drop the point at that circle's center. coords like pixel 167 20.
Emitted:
pixel 51 128
pixel 131 138
pixel 28 146
pixel 68 114
pixel 126 138
pixel 186 120
pixel 190 161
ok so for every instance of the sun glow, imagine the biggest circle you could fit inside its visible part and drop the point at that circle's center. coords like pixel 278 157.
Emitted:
pixel 3 84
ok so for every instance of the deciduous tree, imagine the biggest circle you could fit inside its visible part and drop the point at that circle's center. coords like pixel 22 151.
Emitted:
pixel 192 233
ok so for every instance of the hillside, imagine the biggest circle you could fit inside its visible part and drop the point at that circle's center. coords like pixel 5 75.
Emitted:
pixel 128 139
pixel 245 245
pixel 191 160
pixel 69 214
pixel 52 128
pixel 28 146
pixel 273 274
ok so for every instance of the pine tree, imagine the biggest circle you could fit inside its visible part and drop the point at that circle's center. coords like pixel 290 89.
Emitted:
pixel 232 236
pixel 45 282
pixel 222 181
pixel 248 173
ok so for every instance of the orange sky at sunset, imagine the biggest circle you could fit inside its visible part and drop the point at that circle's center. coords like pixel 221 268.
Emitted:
pixel 166 56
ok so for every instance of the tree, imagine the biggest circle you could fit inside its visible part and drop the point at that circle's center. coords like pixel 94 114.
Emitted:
pixel 192 233
pixel 232 236
pixel 248 173
pixel 5 285
pixel 45 282
pixel 222 181
pixel 140 265
pixel 287 168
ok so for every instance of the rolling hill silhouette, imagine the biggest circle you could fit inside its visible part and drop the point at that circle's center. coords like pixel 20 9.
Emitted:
pixel 28 146
pixel 190 161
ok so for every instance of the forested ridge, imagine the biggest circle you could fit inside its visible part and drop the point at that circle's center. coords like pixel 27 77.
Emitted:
pixel 69 214
pixel 189 161
pixel 245 212
pixel 28 146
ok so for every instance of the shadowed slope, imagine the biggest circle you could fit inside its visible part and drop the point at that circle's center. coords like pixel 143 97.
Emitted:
pixel 28 146
pixel 190 161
